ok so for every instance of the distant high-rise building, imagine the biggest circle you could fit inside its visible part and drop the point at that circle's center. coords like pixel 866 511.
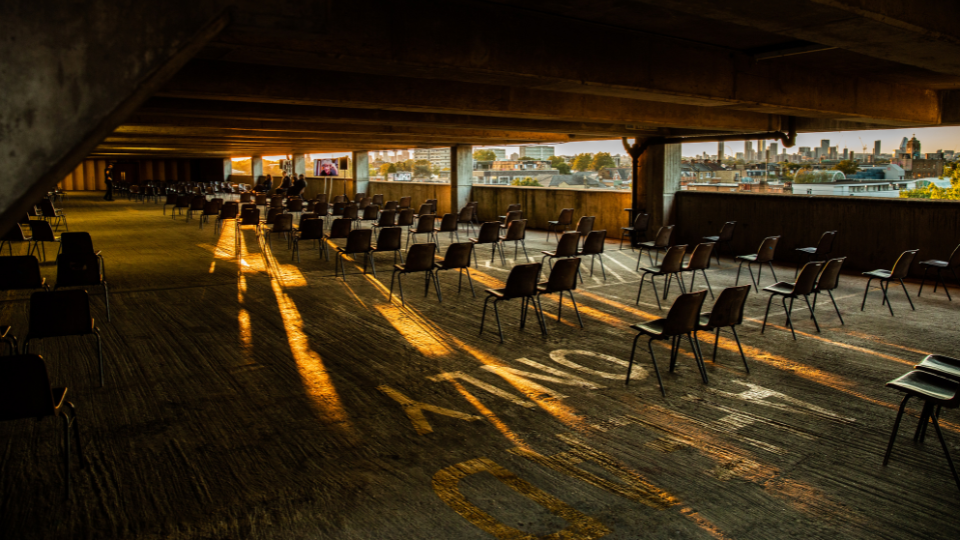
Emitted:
pixel 876 148
pixel 913 148
pixel 501 153
pixel 537 152
pixel 846 153
pixel 762 148
pixel 773 151
pixel 720 151
pixel 833 154
pixel 514 156
pixel 740 155
pixel 825 147
pixel 804 151
pixel 748 151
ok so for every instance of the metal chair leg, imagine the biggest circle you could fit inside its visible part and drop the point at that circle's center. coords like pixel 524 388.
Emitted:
pixel 896 427
pixel 812 316
pixel 865 291
pixel 766 313
pixel 908 295
pixel 656 370
pixel 742 356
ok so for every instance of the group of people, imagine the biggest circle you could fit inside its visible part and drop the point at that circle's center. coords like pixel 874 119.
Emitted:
pixel 291 185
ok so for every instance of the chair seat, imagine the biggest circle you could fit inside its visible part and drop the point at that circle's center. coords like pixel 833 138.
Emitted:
pixel 810 250
pixel 553 223
pixel 703 323
pixel 751 257
pixel 549 253
pixel 626 228
pixel 926 385
pixel 654 328
pixel 935 363
pixel 499 293
pixel 650 244
pixel 935 263
pixel 651 269
pixel 782 287
pixel 711 238
pixel 882 274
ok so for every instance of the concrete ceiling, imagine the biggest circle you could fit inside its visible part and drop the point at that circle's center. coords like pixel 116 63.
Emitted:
pixel 294 76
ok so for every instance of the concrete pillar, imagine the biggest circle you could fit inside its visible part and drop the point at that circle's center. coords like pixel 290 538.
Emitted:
pixel 299 164
pixel 227 168
pixel 256 167
pixel 461 176
pixel 659 181
pixel 361 171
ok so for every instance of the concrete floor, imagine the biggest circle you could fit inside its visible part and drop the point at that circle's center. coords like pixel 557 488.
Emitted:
pixel 258 398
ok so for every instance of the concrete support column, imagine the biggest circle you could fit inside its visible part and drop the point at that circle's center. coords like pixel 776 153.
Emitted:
pixel 227 169
pixel 299 164
pixel 461 176
pixel 361 172
pixel 256 167
pixel 659 180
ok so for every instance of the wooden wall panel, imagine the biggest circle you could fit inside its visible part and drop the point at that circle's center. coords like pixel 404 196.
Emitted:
pixel 101 167
pixel 90 174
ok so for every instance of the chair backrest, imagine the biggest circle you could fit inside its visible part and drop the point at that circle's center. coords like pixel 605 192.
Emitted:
pixel 20 272
pixel 522 280
pixel 448 223
pixel 311 229
pixel 217 200
pixel 359 240
pixel 340 228
pixel 726 232
pixel 684 313
pixel 406 217
pixel 24 388
pixel 365 202
pixel 245 197
pixel 211 208
pixel 594 242
pixel 420 257
pixel 489 233
pixel 954 257
pixel 388 239
pixel 171 199
pixel 825 245
pixel 15 233
pixel 276 201
pixel 229 210
pixel 378 199
pixel 767 248
pixel 283 223
pixel 390 205
pixel 249 215
pixel 321 208
pixel 568 244
pixel 41 230
pixel 641 222
pixel 339 199
pixel 405 202
pixel 338 208
pixel 59 313
pixel 78 269
pixel 728 309
pixel 807 279
pixel 433 205
pixel 198 202
pixel 513 215
pixel 46 208
pixel 388 218
pixel 517 230
pixel 902 266
pixel 673 259
pixel 566 217
pixel 370 212
pixel 465 215
pixel 272 215
pixel 513 208
pixel 321 198
pixel 830 274
pixel 425 208
pixel 76 243
pixel 261 199
pixel 425 223
pixel 700 257
pixel 183 201
pixel 294 205
pixel 351 211
pixel 585 225
pixel 357 197
pixel 458 255
pixel 664 236
pixel 563 277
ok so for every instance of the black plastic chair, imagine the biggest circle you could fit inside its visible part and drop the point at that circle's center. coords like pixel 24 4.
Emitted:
pixel 210 208
pixel 457 258
pixel 425 225
pixel 228 212
pixel 560 225
pixel 25 392
pixel 21 272
pixel 827 282
pixel 521 283
pixel 48 212
pixel 900 270
pixel 339 229
pixel 516 233
pixel 448 224
pixel 420 258
pixel 14 234
pixel 764 255
pixel 936 392
pixel 952 264
pixel 566 247
pixel 387 218
pixel 593 246
pixel 727 311
pixel 358 243
pixel 40 233
pixel 465 216
pixel 62 314
pixel 819 253
pixel 310 229
pixel 563 279
pixel 585 225
pixel 672 263
pixel 725 237
pixel 680 321
pixel 802 287
pixel 82 270
pixel 282 224
pixel 389 239
pixel 639 229
pixel 699 261
pixel 660 243
pixel 80 243
pixel 371 213
pixel 489 234
pixel 171 200
pixel 196 205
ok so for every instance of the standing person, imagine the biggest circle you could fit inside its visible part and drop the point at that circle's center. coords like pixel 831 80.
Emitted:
pixel 108 173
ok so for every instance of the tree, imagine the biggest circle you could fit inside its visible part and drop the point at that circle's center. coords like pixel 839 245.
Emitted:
pixel 601 160
pixel 933 191
pixel 847 166
pixel 526 158
pixel 387 168
pixel 484 154
pixel 406 165
pixel 528 181
pixel 422 168
pixel 582 162
pixel 562 168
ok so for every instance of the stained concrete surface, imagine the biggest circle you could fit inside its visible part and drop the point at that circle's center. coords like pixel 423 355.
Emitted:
pixel 254 397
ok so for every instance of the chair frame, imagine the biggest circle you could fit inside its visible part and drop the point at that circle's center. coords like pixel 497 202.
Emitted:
pixel 531 298
pixel 886 280
pixel 813 268
pixel 431 274
pixel 752 258
pixel 951 264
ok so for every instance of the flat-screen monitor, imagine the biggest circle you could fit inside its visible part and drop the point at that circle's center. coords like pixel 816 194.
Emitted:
pixel 329 166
